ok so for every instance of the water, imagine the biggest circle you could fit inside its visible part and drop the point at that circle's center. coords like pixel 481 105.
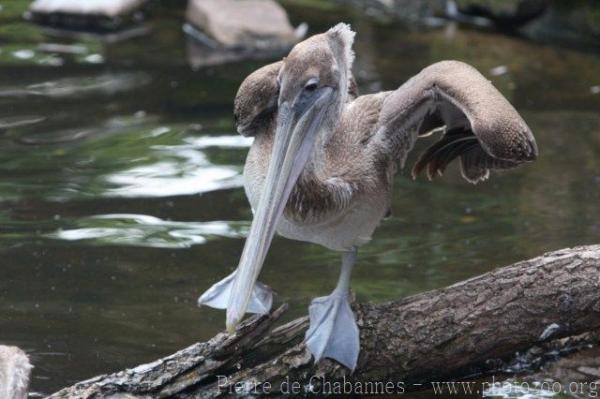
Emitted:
pixel 121 199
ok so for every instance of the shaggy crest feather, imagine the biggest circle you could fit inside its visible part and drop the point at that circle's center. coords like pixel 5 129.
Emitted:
pixel 346 36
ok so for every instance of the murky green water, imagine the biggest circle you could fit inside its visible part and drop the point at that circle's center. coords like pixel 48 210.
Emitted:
pixel 121 200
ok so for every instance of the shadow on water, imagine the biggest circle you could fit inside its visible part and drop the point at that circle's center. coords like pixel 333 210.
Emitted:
pixel 121 199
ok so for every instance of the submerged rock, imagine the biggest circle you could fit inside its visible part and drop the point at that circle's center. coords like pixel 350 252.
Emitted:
pixel 508 15
pixel 576 22
pixel 15 371
pixel 242 23
pixel 86 14
pixel 200 54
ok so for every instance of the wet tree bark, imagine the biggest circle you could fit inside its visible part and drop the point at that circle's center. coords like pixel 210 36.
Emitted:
pixel 470 328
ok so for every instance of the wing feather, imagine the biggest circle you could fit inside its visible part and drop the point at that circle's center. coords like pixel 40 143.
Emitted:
pixel 481 126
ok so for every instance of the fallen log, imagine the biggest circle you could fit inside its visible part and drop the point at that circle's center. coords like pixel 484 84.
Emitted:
pixel 471 328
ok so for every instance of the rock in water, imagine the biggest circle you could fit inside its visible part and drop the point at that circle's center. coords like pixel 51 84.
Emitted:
pixel 107 8
pixel 243 23
pixel 85 14
pixel 15 370
pixel 506 15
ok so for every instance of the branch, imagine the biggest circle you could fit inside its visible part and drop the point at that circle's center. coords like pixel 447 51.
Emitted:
pixel 470 328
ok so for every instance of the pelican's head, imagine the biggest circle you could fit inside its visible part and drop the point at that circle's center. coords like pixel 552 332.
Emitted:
pixel 313 87
pixel 314 77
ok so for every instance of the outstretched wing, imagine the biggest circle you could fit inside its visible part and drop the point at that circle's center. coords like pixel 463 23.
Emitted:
pixel 480 126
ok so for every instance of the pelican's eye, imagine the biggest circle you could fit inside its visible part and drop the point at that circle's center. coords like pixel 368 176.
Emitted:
pixel 312 84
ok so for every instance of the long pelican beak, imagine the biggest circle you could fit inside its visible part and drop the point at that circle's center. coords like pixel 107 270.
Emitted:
pixel 298 125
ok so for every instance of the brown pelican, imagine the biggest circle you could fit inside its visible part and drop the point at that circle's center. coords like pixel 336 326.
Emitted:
pixel 322 163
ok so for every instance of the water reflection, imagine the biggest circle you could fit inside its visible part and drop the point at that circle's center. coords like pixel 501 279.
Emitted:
pixel 126 157
pixel 12 122
pixel 172 178
pixel 189 171
pixel 203 142
pixel 148 231
pixel 517 390
pixel 106 84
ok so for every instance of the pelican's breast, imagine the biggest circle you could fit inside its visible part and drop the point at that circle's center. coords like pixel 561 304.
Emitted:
pixel 312 201
pixel 350 227
pixel 340 200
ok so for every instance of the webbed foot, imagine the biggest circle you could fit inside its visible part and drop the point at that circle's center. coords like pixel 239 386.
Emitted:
pixel 218 295
pixel 333 332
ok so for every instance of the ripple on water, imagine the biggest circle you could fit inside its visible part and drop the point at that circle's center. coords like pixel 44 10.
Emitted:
pixel 185 170
pixel 192 173
pixel 77 87
pixel 15 121
pixel 119 157
pixel 147 231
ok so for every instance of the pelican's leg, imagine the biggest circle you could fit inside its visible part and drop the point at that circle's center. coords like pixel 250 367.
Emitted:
pixel 218 295
pixel 333 332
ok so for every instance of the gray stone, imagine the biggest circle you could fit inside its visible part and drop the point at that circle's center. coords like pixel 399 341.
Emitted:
pixel 243 23
pixel 106 8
